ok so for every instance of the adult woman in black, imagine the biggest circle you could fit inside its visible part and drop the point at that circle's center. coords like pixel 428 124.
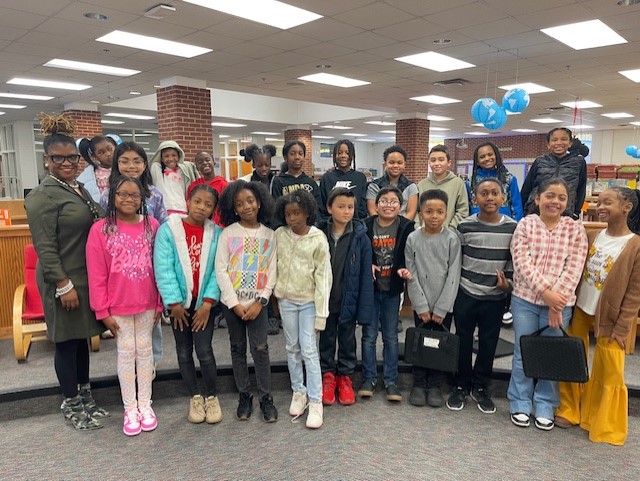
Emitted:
pixel 60 213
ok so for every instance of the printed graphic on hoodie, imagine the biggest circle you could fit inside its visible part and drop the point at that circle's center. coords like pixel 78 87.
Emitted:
pixel 248 262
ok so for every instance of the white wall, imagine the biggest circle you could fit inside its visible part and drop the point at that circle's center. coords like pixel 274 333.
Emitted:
pixel 608 146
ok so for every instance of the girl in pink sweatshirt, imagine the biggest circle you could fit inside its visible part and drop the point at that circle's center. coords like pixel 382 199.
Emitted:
pixel 123 294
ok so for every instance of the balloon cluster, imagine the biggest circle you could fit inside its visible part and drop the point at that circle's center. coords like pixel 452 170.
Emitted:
pixel 493 116
pixel 633 151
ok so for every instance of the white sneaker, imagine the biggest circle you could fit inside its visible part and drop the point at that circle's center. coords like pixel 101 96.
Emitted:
pixel 298 404
pixel 507 318
pixel 314 418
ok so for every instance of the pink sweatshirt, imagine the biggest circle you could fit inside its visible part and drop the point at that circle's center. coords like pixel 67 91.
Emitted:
pixel 121 280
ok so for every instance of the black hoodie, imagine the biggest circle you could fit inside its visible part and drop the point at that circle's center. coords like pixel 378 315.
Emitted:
pixel 352 180
pixel 286 183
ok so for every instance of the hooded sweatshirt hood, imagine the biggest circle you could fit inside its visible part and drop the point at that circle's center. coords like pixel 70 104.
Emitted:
pixel 168 144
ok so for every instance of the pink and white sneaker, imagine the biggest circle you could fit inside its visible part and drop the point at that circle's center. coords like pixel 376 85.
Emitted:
pixel 148 419
pixel 132 426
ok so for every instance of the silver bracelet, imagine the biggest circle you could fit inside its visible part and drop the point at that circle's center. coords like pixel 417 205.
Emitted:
pixel 61 291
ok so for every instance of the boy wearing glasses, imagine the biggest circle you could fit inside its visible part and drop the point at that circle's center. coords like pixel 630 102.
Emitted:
pixel 388 232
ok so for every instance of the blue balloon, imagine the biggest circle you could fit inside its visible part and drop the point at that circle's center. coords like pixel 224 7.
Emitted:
pixel 637 154
pixel 516 100
pixel 497 118
pixel 631 150
pixel 482 108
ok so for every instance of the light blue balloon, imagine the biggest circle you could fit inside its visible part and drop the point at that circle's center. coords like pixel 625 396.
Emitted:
pixel 482 109
pixel 516 100
pixel 637 155
pixel 631 150
pixel 496 119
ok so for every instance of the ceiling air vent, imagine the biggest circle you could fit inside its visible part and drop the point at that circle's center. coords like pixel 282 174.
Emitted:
pixel 455 82
pixel 559 108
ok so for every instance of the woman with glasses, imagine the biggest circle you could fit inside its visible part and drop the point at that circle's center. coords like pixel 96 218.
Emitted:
pixel 60 213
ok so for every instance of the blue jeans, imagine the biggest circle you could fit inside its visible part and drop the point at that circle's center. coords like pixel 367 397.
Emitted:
pixel 156 342
pixel 298 322
pixel 386 310
pixel 523 397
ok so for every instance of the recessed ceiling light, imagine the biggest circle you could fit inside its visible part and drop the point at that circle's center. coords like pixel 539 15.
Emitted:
pixel 635 123
pixel 365 140
pixel 618 115
pixel 438 118
pixel 582 35
pixel 546 120
pixel 528 87
pixel 336 127
pixel 265 133
pixel 321 137
pixel 334 80
pixel 24 97
pixel 268 12
pixel 580 127
pixel 153 44
pixel 478 124
pixel 2 113
pixel 112 122
pixel 47 84
pixel 271 139
pixel 441 41
pixel 130 116
pixel 631 74
pixel 388 132
pixel 436 99
pixel 356 135
pixel 90 67
pixel 435 61
pixel 438 129
pixel 476 133
pixel 94 101
pixel 134 92
pixel 223 136
pixel 581 104
pixel 227 124
pixel 528 131
pixel 96 16
pixel 12 106
pixel 379 122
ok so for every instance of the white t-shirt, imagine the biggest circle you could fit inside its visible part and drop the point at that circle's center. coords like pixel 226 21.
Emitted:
pixel 602 255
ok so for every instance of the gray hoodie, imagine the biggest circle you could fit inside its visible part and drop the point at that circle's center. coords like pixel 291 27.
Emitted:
pixel 173 193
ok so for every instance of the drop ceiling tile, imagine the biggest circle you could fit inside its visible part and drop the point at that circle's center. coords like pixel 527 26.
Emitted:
pixel 251 50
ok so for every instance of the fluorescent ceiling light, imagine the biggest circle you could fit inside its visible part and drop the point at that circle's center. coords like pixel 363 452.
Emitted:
pixel 581 104
pixel 476 133
pixel 227 124
pixel 546 120
pixel 478 124
pixel 112 122
pixel 29 82
pixel 435 61
pixel 137 135
pixel 134 92
pixel 580 127
pixel 635 123
pixel 524 130
pixel 130 116
pixel 438 129
pixel 142 143
pixel 388 132
pixel 528 87
pixel 265 133
pixel 321 137
pixel 2 113
pixel 152 44
pixel 24 96
pixel 90 67
pixel 379 122
pixel 582 35
pixel 438 118
pixel 12 106
pixel 365 140
pixel 435 99
pixel 271 139
pixel 336 127
pixel 509 112
pixel 334 80
pixel 223 136
pixel 356 135
pixel 268 12
pixel 631 74
pixel 618 115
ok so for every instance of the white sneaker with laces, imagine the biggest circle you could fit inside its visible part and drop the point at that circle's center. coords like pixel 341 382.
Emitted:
pixel 298 404
pixel 315 416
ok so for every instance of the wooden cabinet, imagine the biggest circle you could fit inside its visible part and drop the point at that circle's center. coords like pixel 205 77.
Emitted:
pixel 12 242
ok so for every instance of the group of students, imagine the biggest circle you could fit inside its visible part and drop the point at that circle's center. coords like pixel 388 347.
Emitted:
pixel 341 254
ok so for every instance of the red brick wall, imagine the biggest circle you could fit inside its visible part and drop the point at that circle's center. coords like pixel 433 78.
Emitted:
pixel 87 122
pixel 184 115
pixel 303 136
pixel 511 146
pixel 413 136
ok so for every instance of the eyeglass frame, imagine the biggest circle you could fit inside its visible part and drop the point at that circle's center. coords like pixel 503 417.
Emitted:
pixel 128 195
pixel 389 203
pixel 60 159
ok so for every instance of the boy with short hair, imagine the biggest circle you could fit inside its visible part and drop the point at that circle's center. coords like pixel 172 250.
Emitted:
pixel 388 232
pixel 486 269
pixel 351 295
pixel 441 178
pixel 432 256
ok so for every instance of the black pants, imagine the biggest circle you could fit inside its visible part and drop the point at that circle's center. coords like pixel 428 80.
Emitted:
pixel 345 334
pixel 470 313
pixel 71 361
pixel 430 377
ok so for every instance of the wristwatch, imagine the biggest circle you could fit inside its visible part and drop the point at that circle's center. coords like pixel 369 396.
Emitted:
pixel 263 300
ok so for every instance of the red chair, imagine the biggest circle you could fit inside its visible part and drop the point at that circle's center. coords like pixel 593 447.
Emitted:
pixel 28 314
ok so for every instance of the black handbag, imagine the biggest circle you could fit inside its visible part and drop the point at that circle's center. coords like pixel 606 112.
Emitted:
pixel 432 349
pixel 554 358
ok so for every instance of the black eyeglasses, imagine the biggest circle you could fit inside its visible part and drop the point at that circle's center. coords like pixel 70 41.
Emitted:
pixel 126 195
pixel 59 159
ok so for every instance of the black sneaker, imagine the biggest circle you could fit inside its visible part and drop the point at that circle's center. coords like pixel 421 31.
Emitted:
pixel 418 396
pixel 544 424
pixel 393 393
pixel 273 326
pixel 435 399
pixel 522 420
pixel 245 406
pixel 457 399
pixel 481 396
pixel 367 389
pixel 269 411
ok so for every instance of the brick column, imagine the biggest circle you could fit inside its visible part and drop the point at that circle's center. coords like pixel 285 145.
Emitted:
pixel 86 118
pixel 303 136
pixel 413 136
pixel 184 115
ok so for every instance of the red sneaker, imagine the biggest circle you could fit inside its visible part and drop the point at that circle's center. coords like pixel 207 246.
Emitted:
pixel 328 389
pixel 346 396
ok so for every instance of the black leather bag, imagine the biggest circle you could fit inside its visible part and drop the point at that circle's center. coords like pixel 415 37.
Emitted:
pixel 432 349
pixel 554 358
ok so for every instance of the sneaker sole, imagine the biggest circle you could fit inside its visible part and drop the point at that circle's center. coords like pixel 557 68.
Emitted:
pixel 364 394
pixel 521 424
pixel 150 428
pixel 544 427
pixel 486 411
pixel 455 408
pixel 394 398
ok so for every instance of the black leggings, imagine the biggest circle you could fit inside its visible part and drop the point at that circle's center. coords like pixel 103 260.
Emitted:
pixel 72 365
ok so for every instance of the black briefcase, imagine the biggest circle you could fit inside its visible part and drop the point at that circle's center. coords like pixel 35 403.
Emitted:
pixel 554 358
pixel 431 349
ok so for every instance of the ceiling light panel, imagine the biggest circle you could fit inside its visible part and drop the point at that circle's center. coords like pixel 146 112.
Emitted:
pixel 130 116
pixel 635 123
pixel 476 133
pixel 336 127
pixel 6 95
pixel 321 137
pixel 438 118
pixel 379 122
pixel 227 124
pixel 388 132
pixel 334 80
pixel 435 61
pixel 581 104
pixel 29 82
pixel 90 67
pixel 356 135
pixel 265 133
pixel 633 75
pixel 268 12
pixel 528 131
pixel 436 99
pixel 528 87
pixel 618 115
pixel 583 35
pixel 580 127
pixel 152 44
pixel 11 106
pixel 546 120
pixel 112 122
pixel 438 129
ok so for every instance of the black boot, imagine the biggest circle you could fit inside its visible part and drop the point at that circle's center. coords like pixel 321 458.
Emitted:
pixel 245 406
pixel 269 411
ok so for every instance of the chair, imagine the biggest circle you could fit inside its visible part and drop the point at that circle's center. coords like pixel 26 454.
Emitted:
pixel 28 314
